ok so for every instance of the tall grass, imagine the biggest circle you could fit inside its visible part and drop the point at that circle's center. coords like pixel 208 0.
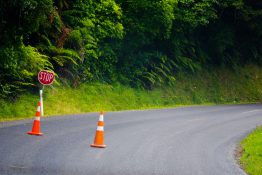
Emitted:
pixel 244 85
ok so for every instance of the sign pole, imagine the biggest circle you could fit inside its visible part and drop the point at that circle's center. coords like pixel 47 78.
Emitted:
pixel 41 102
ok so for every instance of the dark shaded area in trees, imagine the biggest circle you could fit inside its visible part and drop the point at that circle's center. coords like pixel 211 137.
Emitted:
pixel 142 43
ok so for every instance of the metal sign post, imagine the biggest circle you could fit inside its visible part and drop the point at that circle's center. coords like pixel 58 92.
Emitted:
pixel 41 102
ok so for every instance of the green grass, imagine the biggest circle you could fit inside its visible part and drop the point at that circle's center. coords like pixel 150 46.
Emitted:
pixel 206 87
pixel 86 98
pixel 251 159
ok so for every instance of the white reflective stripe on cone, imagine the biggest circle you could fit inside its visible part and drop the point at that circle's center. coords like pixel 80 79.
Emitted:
pixel 37 118
pixel 100 128
pixel 38 108
pixel 101 118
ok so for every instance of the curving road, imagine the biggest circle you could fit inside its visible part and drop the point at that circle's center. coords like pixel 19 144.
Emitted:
pixel 180 141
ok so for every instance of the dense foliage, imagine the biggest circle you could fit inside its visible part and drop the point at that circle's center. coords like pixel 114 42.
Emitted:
pixel 142 43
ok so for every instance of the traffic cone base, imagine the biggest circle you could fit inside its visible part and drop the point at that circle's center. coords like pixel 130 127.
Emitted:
pixel 98 146
pixel 35 133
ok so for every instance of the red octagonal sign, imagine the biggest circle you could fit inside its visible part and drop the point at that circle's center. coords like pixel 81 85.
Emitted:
pixel 46 77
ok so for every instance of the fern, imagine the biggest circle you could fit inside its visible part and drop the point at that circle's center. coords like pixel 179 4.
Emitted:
pixel 22 64
pixel 159 70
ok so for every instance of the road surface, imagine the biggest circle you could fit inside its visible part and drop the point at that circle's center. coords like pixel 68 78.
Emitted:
pixel 180 141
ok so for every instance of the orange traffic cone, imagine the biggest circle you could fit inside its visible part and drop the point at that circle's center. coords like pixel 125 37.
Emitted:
pixel 36 124
pixel 99 138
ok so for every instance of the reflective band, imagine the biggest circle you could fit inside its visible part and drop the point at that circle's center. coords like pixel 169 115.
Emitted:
pixel 101 118
pixel 37 118
pixel 100 128
pixel 38 108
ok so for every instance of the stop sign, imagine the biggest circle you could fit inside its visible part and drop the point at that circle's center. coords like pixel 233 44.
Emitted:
pixel 46 77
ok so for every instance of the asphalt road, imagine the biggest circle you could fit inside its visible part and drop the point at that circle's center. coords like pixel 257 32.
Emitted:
pixel 180 141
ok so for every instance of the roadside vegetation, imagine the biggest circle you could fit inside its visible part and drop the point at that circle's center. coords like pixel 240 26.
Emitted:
pixel 207 87
pixel 251 159
pixel 144 44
